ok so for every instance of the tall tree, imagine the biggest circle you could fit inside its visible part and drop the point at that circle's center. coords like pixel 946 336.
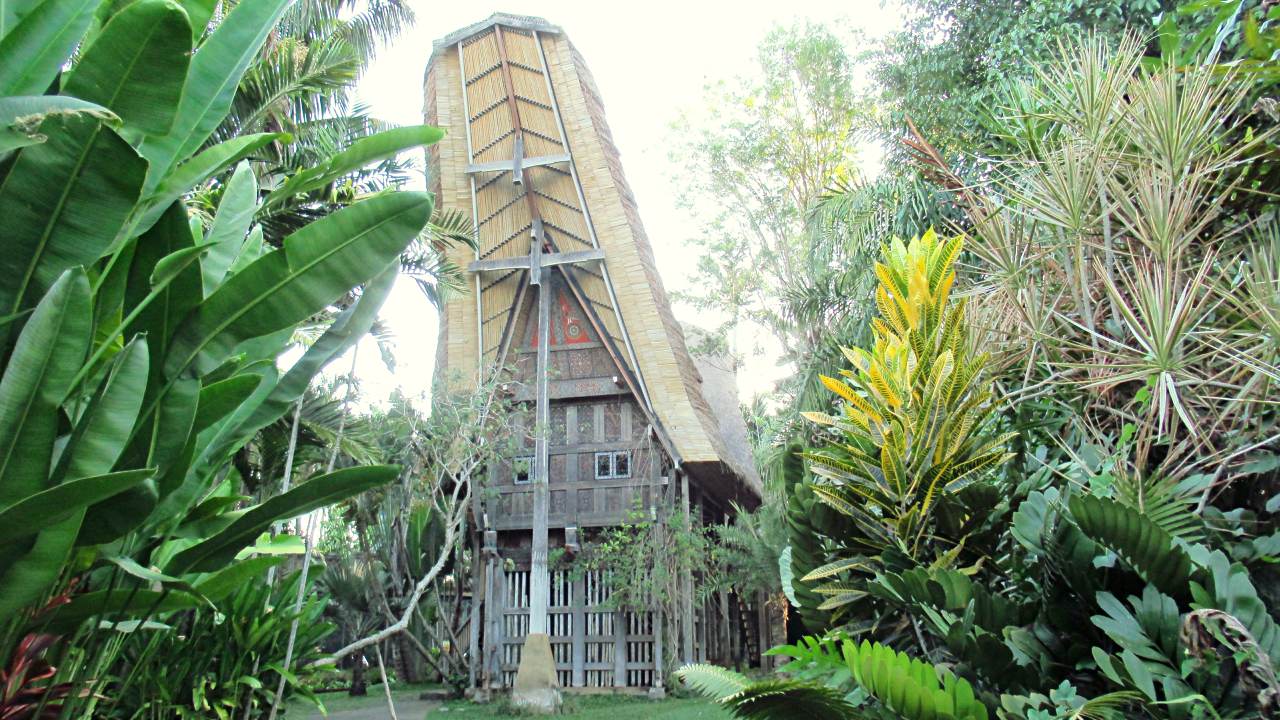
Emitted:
pixel 768 146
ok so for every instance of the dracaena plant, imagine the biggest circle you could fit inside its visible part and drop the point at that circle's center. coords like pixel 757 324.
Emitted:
pixel 912 426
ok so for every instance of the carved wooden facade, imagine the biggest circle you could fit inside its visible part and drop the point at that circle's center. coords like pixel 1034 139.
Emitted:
pixel 567 311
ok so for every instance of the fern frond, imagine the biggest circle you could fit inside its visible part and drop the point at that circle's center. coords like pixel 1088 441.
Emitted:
pixel 713 681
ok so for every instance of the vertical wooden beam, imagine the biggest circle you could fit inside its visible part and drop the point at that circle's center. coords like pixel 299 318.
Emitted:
pixel 620 648
pixel 497 620
pixel 579 620
pixel 473 635
pixel 723 623
pixel 686 580
pixel 539 577
pixel 657 510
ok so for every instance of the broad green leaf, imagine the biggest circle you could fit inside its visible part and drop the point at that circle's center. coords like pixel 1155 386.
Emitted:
pixel 63 202
pixel 59 502
pixel 11 11
pixel 221 398
pixel 165 252
pixel 787 575
pixel 252 249
pixel 199 12
pixel 230 223
pixel 171 266
pixel 21 117
pixel 200 168
pixel 316 266
pixel 45 358
pixel 362 153
pixel 274 545
pixel 213 448
pixel 100 438
pixel 215 552
pixel 222 583
pixel 212 80
pixel 130 603
pixel 32 53
pixel 346 331
pixel 137 65
pixel 32 573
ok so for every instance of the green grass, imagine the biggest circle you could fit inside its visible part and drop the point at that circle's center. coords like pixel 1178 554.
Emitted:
pixel 583 707
pixel 340 701
pixel 576 707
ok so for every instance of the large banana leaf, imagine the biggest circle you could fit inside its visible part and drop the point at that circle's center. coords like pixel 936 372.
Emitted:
pixel 63 202
pixel 212 448
pixel 45 359
pixel 198 169
pixel 230 223
pixel 137 65
pixel 220 549
pixel 21 117
pixel 346 330
pixel 214 74
pixel 220 399
pixel 59 502
pixel 101 437
pixel 159 316
pixel 32 52
pixel 317 264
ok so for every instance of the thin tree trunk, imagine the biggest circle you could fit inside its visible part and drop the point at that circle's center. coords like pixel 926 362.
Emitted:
pixel 306 539
pixel 386 687
pixel 271 571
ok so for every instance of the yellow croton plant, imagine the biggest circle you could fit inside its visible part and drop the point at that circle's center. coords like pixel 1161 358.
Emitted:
pixel 912 425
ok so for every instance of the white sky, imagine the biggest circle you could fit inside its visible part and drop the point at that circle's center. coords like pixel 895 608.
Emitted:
pixel 650 61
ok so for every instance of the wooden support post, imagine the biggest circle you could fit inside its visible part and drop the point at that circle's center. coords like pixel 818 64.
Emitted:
pixel 702 632
pixel 579 622
pixel 539 576
pixel 722 624
pixel 620 648
pixel 686 581
pixel 658 511
pixel 473 638
pixel 497 623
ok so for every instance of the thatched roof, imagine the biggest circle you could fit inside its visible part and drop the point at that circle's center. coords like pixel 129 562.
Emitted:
pixel 696 410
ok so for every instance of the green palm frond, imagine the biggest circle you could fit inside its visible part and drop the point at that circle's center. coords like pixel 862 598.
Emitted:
pixel 713 681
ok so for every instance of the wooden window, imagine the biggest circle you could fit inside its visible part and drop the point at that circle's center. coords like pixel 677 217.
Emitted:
pixel 613 464
pixel 522 469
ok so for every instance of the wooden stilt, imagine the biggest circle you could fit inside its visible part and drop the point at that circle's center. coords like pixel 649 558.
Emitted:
pixel 579 622
pixel 686 581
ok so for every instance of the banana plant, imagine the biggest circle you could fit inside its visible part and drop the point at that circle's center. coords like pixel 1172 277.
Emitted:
pixel 138 348
pixel 913 428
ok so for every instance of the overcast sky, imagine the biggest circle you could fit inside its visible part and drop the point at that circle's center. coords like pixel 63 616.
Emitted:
pixel 650 60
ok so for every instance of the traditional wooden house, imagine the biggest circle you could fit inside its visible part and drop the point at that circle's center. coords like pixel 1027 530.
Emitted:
pixel 567 310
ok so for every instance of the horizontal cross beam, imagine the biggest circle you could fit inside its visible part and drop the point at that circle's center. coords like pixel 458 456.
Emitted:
pixel 500 165
pixel 521 262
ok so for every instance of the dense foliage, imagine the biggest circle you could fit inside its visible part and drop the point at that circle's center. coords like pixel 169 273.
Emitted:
pixel 140 341
pixel 1111 555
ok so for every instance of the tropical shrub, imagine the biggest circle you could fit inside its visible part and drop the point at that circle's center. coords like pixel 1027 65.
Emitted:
pixel 215 663
pixel 139 349
pixel 1121 271
pixel 913 432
